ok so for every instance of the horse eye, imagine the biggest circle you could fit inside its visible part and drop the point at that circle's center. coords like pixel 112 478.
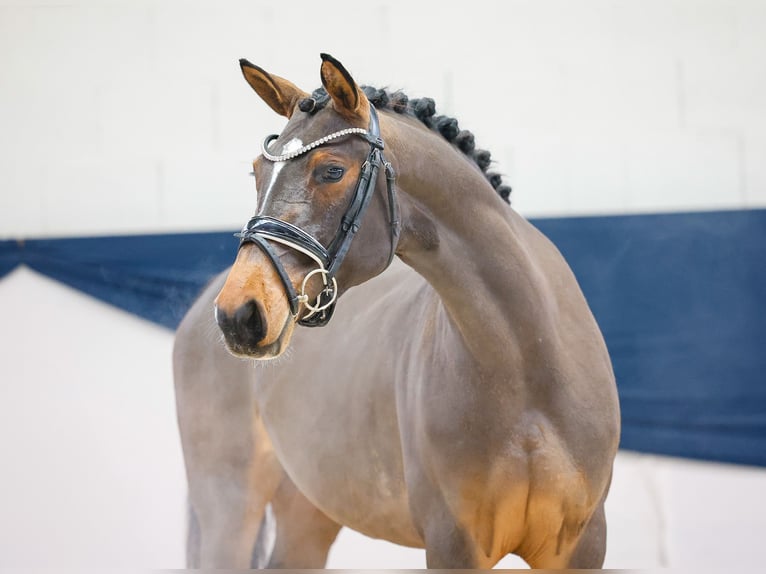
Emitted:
pixel 334 173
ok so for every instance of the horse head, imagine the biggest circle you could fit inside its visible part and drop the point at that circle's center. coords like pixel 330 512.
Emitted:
pixel 314 183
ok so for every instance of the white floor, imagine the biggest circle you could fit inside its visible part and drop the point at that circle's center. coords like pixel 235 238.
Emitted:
pixel 92 474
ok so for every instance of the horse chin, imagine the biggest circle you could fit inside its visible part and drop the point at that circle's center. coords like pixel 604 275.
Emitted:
pixel 283 341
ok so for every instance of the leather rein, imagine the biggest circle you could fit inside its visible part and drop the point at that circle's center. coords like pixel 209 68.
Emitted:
pixel 263 229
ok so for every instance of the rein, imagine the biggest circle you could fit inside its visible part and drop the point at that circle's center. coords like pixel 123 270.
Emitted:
pixel 263 229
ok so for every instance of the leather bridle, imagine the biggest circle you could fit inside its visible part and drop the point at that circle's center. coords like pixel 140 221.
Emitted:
pixel 263 229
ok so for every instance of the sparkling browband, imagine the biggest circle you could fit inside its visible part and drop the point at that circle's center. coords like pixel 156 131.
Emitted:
pixel 307 147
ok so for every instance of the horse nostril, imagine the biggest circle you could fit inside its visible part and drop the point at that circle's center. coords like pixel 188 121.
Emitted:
pixel 248 319
pixel 246 327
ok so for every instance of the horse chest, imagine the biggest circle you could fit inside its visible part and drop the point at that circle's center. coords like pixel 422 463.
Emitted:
pixel 341 448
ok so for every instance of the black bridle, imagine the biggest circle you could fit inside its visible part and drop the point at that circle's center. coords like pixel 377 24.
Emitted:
pixel 263 229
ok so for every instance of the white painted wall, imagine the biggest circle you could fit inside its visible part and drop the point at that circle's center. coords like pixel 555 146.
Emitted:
pixel 132 116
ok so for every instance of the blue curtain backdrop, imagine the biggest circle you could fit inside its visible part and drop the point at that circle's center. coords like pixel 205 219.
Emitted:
pixel 680 298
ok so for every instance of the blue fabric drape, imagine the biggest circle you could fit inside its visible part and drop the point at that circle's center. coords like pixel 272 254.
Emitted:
pixel 680 298
pixel 154 276
pixel 10 256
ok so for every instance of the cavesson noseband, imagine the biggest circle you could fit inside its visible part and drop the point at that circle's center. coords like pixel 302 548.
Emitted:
pixel 262 229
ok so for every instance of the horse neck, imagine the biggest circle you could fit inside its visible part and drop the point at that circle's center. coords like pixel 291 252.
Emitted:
pixel 472 248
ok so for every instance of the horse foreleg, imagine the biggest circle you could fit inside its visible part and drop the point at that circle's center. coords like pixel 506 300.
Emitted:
pixel 591 548
pixel 448 543
pixel 228 494
pixel 192 538
pixel 450 546
pixel 231 469
pixel 586 552
pixel 304 533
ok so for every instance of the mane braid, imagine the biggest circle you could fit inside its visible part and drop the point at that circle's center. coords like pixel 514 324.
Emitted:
pixel 423 109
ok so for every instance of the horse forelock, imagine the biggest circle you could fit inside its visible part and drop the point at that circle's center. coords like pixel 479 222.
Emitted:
pixel 424 109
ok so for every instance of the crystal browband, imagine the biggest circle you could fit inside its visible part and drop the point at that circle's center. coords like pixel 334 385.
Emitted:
pixel 308 147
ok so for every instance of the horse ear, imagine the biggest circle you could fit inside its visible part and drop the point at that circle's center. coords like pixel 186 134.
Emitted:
pixel 349 99
pixel 281 95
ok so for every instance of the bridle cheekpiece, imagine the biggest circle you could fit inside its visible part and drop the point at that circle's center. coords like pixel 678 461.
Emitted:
pixel 263 229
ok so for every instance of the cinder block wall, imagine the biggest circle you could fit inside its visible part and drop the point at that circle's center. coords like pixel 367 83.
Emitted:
pixel 132 116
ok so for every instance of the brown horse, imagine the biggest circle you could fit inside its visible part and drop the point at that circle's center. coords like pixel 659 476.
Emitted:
pixel 461 400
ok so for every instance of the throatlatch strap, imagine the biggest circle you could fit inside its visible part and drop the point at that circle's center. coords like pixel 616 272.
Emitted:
pixel 352 220
pixel 393 208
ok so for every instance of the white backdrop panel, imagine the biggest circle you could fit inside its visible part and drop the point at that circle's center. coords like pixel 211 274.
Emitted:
pixel 133 116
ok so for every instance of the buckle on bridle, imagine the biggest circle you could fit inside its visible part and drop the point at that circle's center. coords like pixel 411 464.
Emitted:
pixel 375 141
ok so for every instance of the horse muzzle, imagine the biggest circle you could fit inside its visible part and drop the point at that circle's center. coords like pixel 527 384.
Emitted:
pixel 245 331
pixel 251 309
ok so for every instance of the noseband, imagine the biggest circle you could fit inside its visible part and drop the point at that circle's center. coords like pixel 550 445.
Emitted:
pixel 262 229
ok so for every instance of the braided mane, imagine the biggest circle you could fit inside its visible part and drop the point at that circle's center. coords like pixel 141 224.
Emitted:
pixel 423 109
